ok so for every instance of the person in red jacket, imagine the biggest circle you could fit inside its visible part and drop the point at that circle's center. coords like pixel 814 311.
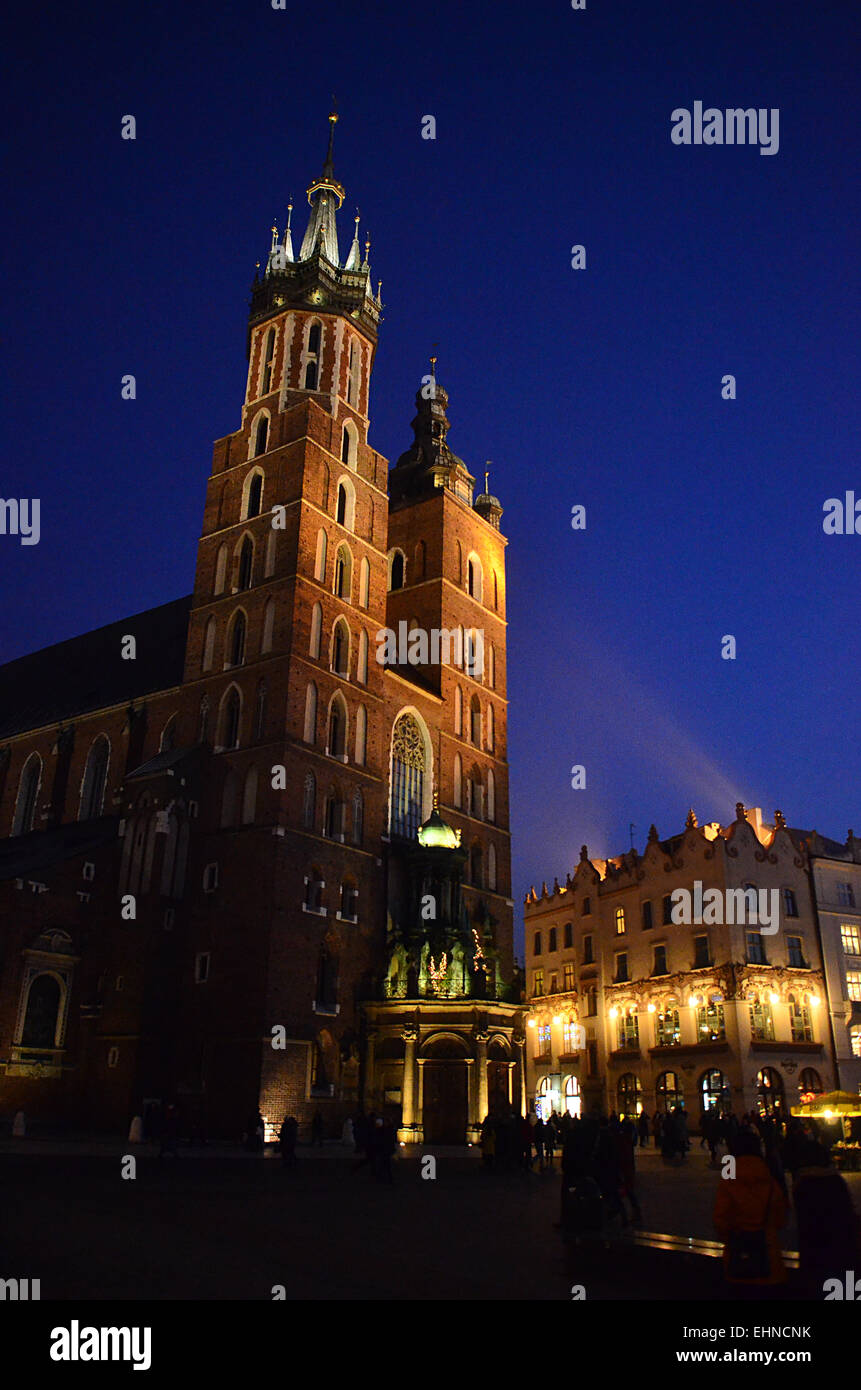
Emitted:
pixel 750 1209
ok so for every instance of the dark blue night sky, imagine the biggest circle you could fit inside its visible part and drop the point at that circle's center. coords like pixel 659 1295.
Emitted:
pixel 601 387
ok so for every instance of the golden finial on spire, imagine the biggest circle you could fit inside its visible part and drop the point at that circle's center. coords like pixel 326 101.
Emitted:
pixel 487 476
pixel 433 367
pixel 435 799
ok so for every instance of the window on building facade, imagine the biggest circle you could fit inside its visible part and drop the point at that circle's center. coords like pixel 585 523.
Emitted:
pixel 845 895
pixel 714 1089
pixel 620 921
pixel 554 983
pixel 309 801
pixel 542 1040
pixel 568 976
pixel 201 968
pixel 647 916
pixel 408 773
pixel 761 1021
pixel 659 966
pixel 397 571
pixel 538 983
pixel 629 1094
pixel 627 1029
pixel 246 557
pixel 795 952
pixel 850 937
pixel 95 776
pixel 314 886
pixel 755 949
pixel 551 944
pixel 668 909
pixel 570 1039
pixel 349 901
pixel 853 985
pixel 810 1081
pixel 268 362
pixel 536 944
pixel 568 935
pixel 668 1091
pixel 668 1029
pixel 28 789
pixel 701 952
pixel 591 997
pixel 588 958
pixel 621 967
pixel 711 1024
pixel 800 1020
pixel 586 909
pixel 790 906
pixel 255 494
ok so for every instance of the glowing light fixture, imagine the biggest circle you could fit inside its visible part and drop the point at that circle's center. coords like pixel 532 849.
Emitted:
pixel 530 1023
pixel 815 1000
pixel 614 1012
pixel 652 1008
pixel 775 998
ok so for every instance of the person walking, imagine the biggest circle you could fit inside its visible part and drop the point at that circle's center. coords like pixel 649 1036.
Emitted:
pixel 829 1229
pixel 526 1143
pixel 287 1135
pixel 624 1135
pixel 749 1211
pixel 538 1140
pixel 607 1169
pixel 549 1139
pixel 658 1128
pixel 643 1127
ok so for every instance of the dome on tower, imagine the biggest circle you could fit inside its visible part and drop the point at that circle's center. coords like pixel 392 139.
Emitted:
pixel 436 834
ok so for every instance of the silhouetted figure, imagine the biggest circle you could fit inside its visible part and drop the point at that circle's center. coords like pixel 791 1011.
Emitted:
pixel 749 1211
pixel 829 1231
pixel 288 1135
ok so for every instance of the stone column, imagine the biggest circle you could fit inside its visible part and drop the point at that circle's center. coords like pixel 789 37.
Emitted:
pixel 520 1044
pixel 481 1076
pixel 472 1123
pixel 407 1132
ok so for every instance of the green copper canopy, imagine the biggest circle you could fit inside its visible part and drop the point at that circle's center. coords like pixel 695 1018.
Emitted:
pixel 435 834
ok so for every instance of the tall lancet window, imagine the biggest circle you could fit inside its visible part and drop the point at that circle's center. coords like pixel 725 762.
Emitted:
pixel 268 362
pixel 408 773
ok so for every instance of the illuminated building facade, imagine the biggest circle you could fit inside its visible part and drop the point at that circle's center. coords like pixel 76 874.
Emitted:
pixel 213 888
pixel 719 1011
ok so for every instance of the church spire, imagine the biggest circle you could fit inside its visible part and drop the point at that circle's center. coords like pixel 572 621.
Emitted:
pixel 325 196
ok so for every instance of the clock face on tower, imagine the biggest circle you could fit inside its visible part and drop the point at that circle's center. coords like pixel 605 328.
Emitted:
pixel 316 297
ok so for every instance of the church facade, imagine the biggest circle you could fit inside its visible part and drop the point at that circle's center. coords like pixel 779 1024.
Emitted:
pixel 256 846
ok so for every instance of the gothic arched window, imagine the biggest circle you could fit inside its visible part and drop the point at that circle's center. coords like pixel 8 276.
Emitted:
pixel 95 776
pixel 408 772
pixel 261 436
pixel 28 789
pixel 43 1011
pixel 397 571
pixel 246 556
pixel 237 640
pixel 309 801
pixel 268 361
pixel 230 724
pixel 255 495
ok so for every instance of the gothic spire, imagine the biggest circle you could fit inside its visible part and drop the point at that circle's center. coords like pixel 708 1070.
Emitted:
pixel 325 196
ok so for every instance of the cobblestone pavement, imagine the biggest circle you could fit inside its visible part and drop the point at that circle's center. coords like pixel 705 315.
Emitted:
pixel 226 1225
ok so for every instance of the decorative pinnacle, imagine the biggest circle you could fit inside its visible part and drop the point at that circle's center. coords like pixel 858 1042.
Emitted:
pixel 487 477
pixel 289 214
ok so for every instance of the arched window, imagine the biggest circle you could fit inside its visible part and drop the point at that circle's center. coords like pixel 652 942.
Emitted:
pixel 458 563
pixel 246 558
pixel 491 666
pixel 327 996
pixel 309 801
pixel 316 630
pixel 350 445
pixel 333 815
pixel 208 645
pixel 364 582
pixel 341 516
pixel 43 1013
pixel 620 921
pixel 358 818
pixel 231 714
pixel 260 712
pixel 341 648
pixel 249 797
pixel 715 1092
pixel 457 788
pixel 476 865
pixel 491 795
pixel 167 742
pixel 396 570
pixel 475 793
pixel 355 361
pixel 769 1091
pixel 28 790
pixel 252 493
pixel 495 590
pixel 229 799
pixel 220 570
pixel 421 560
pixel 409 765
pixel 268 363
pixel 236 639
pixel 268 626
pixel 310 732
pixel 261 436
pixel 629 1094
pixel 491 867
pixel 343 585
pixel 362 670
pixel 95 776
pixel 491 728
pixel 271 553
pixel 312 357
pixel 361 734
pixel 320 558
pixel 475 721
pixel 573 1098
pixel 458 710
pixel 810 1082
pixel 474 577
pixel 337 733
pixel 761 1021
pixel 668 1091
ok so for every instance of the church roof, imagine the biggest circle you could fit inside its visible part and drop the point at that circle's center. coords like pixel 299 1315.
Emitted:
pixel 88 672
pixel 41 850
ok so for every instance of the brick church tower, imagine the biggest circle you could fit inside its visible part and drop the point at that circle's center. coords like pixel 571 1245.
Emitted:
pixel 311 823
